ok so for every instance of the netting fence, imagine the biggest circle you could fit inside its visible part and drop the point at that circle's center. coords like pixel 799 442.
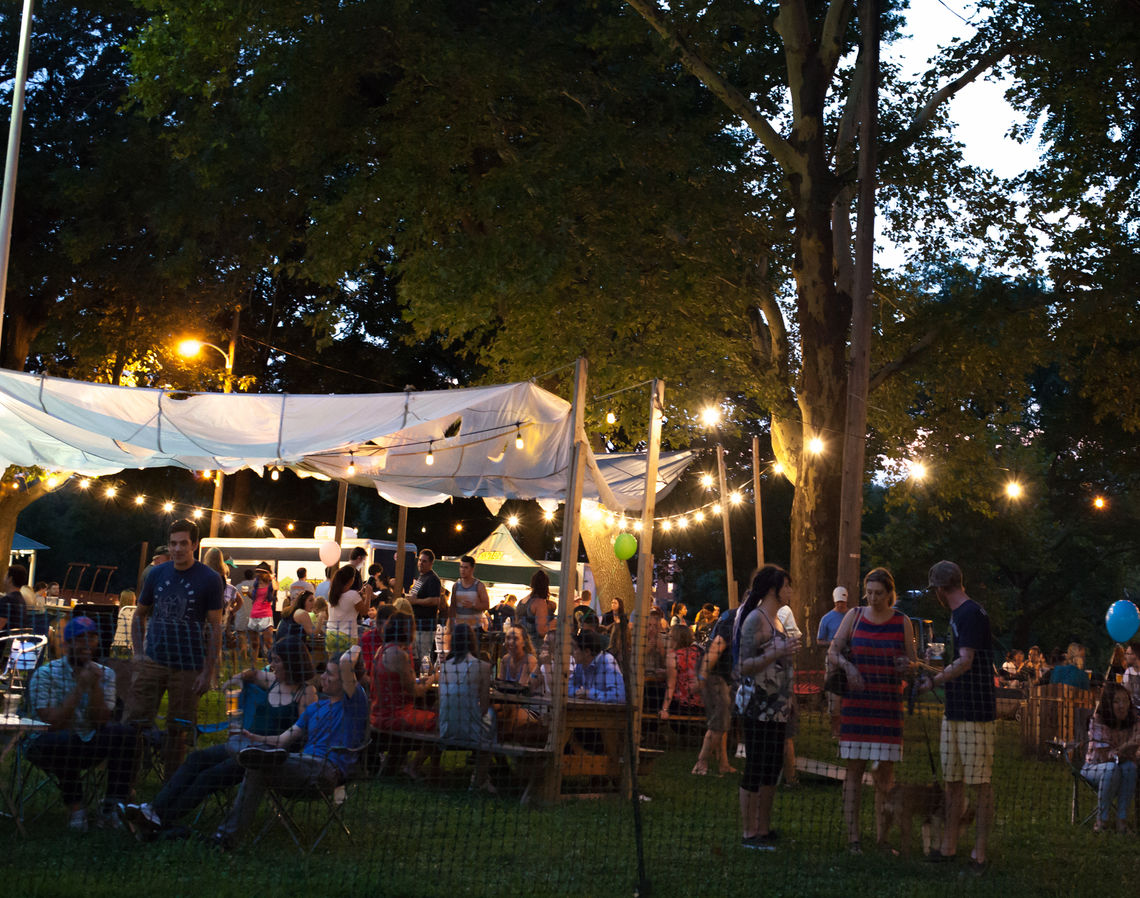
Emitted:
pixel 625 801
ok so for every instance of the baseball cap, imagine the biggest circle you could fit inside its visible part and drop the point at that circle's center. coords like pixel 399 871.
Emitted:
pixel 839 594
pixel 79 626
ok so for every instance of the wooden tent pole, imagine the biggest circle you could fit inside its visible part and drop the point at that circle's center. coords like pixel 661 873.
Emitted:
pixel 561 661
pixel 341 505
pixel 645 563
pixel 401 548
pixel 756 502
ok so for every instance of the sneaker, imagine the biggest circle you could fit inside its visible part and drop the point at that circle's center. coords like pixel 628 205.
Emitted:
pixel 107 818
pixel 257 757
pixel 740 753
pixel 78 821
pixel 140 819
pixel 766 842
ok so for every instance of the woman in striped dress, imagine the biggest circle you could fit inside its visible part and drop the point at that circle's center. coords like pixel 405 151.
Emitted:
pixel 881 643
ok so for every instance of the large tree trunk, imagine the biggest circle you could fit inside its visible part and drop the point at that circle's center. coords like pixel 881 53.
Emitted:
pixel 824 314
pixel 12 502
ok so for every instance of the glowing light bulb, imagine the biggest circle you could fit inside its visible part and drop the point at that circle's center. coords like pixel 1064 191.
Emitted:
pixel 1100 503
pixel 260 523
pixel 206 475
pixel 459 528
pixel 227 518
pixel 513 520
pixel 637 526
pixel 611 418
pixel 548 515
pixel 735 498
pixel 84 483
pixel 518 439
pixel 52 482
pixel 1013 489
pixel 917 470
pixel 289 526
pixel 189 348
pixel 699 516
pixel 139 500
pixel 666 525
pixel 389 531
pixel 430 460
pixel 682 523
pixel 815 445
pixel 274 474
pixel 168 507
pixel 109 492
pixel 716 508
pixel 706 480
pixel 423 530
pixel 351 465
pixel 710 416
pixel 197 513
pixel 778 468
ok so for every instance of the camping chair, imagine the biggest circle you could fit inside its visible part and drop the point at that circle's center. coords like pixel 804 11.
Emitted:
pixel 308 816
pixel 1073 754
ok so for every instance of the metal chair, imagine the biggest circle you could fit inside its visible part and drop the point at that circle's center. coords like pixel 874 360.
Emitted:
pixel 323 807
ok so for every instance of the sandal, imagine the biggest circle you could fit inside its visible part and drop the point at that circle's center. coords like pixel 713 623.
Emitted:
pixel 699 770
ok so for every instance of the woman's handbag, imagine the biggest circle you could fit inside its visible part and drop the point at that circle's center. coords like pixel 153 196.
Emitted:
pixel 836 682
pixel 756 703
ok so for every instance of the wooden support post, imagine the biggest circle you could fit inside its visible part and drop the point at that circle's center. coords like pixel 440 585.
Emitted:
pixel 552 786
pixel 341 505
pixel 636 683
pixel 756 502
pixel 401 548
pixel 733 597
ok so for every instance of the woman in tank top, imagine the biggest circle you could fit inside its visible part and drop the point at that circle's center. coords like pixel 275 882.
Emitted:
pixel 209 770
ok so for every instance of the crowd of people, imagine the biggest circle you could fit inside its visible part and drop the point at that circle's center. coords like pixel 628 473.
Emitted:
pixel 370 656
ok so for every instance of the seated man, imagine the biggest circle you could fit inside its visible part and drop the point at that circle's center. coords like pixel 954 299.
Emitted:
pixel 596 675
pixel 75 696
pixel 331 727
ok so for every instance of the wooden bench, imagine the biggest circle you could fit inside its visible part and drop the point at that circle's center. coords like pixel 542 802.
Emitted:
pixel 530 760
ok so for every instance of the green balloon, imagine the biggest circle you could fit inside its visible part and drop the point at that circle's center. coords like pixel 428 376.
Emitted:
pixel 625 546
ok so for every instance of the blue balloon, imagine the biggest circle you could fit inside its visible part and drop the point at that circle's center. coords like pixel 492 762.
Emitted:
pixel 1122 620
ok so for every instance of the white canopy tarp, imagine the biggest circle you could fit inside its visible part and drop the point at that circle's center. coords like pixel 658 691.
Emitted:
pixel 470 435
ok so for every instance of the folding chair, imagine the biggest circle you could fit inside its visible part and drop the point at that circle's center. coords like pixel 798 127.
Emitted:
pixel 1073 754
pixel 325 807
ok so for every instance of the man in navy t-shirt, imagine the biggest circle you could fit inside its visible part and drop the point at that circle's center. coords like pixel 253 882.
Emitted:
pixel 971 708
pixel 178 600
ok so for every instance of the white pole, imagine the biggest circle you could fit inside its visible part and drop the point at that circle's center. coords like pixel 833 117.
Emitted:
pixel 8 200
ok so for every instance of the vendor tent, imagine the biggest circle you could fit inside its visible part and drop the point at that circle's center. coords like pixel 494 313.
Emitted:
pixel 415 448
pixel 501 562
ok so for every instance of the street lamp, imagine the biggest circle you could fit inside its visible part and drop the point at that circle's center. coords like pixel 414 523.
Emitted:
pixel 190 349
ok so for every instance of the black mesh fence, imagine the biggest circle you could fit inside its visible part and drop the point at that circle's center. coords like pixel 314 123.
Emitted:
pixel 370 795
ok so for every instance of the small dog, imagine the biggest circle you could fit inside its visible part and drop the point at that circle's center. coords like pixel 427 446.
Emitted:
pixel 926 801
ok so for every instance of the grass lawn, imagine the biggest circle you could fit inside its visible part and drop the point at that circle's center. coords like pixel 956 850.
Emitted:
pixel 415 840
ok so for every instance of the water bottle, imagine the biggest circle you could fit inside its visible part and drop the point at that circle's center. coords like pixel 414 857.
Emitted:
pixel 425 666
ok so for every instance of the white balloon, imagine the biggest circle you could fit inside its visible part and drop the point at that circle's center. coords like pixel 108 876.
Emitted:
pixel 330 552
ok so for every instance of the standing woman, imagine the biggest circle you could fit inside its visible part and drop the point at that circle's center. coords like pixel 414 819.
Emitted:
pixel 533 612
pixel 345 606
pixel 881 641
pixel 764 652
pixel 231 601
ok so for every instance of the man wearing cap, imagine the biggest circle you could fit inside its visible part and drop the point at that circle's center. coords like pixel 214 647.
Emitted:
pixel 179 600
pixel 161 556
pixel 75 696
pixel 971 708
pixel 828 627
